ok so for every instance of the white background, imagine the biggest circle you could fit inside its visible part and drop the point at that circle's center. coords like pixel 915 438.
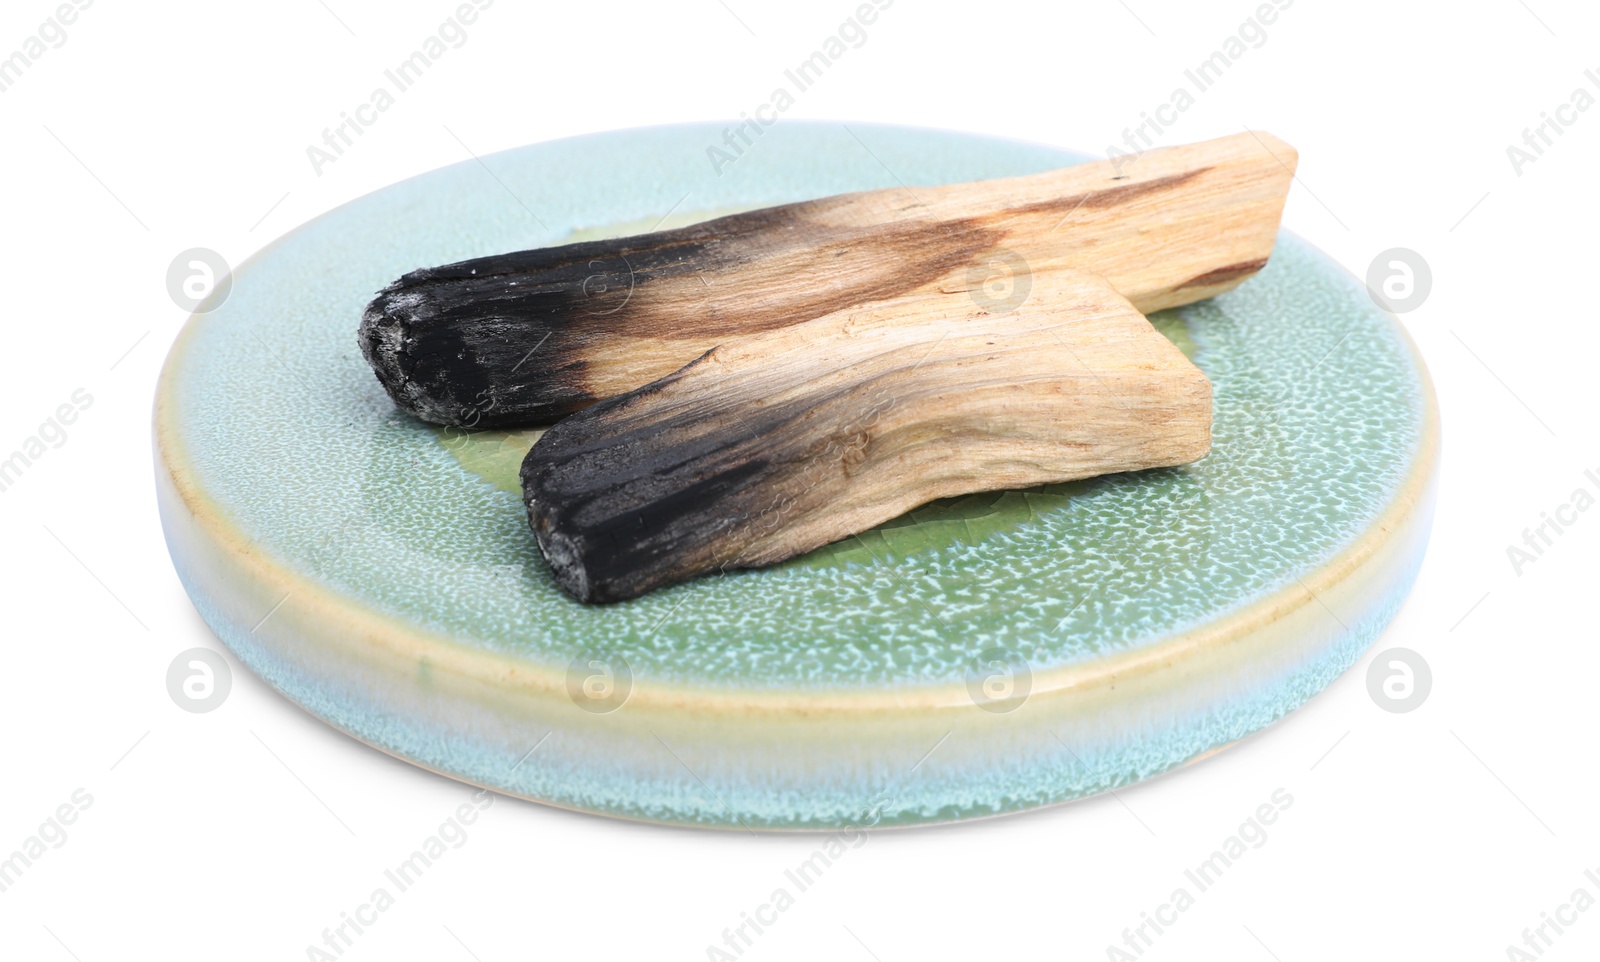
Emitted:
pixel 243 833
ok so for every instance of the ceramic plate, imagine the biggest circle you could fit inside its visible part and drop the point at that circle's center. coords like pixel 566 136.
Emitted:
pixel 979 656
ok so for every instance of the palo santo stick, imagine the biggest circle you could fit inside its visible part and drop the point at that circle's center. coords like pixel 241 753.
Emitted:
pixel 528 337
pixel 774 444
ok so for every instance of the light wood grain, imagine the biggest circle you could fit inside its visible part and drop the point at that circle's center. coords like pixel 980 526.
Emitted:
pixel 526 338
pixel 771 445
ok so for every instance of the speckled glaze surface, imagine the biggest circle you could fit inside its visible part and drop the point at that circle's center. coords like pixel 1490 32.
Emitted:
pixel 380 573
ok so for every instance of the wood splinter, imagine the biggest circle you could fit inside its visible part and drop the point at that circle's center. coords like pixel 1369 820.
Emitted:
pixel 775 444
pixel 528 337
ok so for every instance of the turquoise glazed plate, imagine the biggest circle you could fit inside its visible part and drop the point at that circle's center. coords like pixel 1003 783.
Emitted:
pixel 979 656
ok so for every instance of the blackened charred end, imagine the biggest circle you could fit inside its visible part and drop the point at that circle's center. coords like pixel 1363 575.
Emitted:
pixel 615 522
pixel 564 557
pixel 447 357
pixel 561 550
pixel 383 334
pixel 502 341
pixel 569 553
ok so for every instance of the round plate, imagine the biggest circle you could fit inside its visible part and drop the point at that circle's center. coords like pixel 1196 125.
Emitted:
pixel 978 656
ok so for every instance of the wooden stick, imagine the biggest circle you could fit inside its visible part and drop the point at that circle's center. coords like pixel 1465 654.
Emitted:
pixel 528 337
pixel 777 443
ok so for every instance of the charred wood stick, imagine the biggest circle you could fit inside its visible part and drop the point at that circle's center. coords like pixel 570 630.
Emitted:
pixel 777 443
pixel 528 337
